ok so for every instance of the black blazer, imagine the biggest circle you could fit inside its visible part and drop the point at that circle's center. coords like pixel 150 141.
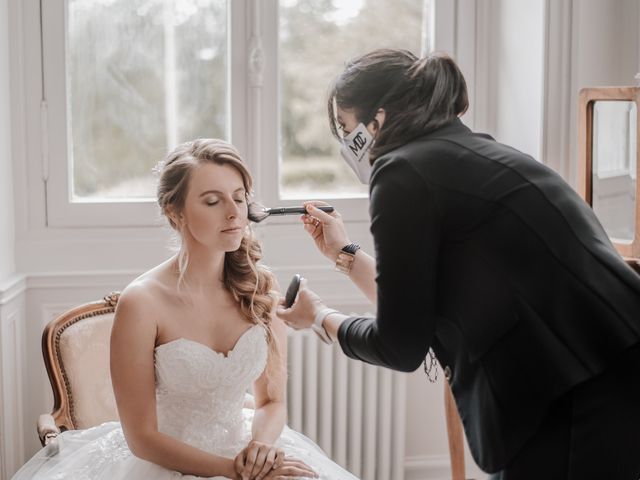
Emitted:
pixel 491 259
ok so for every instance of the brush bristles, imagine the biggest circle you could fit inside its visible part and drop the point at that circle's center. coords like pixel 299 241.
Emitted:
pixel 256 212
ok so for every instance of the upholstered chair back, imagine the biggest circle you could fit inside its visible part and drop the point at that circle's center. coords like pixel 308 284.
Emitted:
pixel 75 347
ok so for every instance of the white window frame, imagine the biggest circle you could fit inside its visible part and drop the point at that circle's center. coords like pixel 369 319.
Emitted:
pixel 253 122
pixel 61 211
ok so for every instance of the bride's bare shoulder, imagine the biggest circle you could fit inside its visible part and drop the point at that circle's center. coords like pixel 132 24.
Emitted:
pixel 150 293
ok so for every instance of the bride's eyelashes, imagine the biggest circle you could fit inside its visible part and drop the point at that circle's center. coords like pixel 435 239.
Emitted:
pixel 215 202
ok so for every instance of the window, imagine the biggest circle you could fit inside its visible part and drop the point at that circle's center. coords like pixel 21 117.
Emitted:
pixel 127 80
pixel 316 38
pixel 142 76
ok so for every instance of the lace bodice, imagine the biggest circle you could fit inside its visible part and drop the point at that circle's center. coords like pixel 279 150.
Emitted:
pixel 200 392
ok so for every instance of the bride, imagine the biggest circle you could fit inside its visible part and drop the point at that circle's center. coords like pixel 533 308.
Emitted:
pixel 190 336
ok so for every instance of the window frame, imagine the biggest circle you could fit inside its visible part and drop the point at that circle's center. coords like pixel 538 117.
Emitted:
pixel 61 211
pixel 253 122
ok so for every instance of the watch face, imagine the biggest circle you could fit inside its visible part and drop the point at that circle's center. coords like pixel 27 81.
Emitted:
pixel 344 261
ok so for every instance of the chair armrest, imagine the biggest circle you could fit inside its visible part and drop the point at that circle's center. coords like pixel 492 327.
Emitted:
pixel 47 429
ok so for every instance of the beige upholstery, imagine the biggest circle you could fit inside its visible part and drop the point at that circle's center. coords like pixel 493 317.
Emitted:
pixel 84 352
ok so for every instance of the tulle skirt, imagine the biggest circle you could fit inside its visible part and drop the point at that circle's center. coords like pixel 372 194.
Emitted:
pixel 101 453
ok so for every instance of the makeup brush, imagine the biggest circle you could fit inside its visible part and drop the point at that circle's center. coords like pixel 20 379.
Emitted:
pixel 258 213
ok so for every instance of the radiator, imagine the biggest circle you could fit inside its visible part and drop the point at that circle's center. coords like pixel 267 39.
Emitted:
pixel 355 412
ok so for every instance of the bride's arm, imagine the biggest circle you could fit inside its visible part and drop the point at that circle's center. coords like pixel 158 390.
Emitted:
pixel 132 372
pixel 271 409
pixel 258 458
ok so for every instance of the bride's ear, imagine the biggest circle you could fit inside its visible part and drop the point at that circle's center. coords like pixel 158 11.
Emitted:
pixel 175 216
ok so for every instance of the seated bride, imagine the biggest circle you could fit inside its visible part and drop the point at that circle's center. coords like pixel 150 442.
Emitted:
pixel 190 336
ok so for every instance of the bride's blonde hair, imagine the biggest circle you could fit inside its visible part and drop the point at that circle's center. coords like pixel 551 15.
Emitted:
pixel 250 283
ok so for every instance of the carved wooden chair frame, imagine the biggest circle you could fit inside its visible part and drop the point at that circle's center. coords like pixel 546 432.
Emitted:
pixel 62 418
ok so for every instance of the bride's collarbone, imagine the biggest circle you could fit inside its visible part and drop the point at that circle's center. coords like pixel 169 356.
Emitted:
pixel 220 329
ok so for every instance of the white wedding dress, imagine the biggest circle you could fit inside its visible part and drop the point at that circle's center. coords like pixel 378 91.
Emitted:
pixel 199 400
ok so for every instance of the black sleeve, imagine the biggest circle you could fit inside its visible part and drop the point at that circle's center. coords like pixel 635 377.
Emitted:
pixel 405 224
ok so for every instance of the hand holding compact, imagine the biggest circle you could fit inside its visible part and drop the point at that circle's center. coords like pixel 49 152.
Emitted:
pixel 292 291
pixel 303 310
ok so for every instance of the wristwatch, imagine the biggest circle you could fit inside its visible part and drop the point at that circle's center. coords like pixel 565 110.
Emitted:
pixel 346 257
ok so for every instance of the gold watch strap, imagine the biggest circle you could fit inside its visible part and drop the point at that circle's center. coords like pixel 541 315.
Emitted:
pixel 346 256
pixel 344 262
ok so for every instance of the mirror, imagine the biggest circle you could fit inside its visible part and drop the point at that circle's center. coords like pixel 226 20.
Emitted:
pixel 613 175
pixel 608 162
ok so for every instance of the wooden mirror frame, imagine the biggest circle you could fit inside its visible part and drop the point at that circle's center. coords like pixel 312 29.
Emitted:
pixel 588 96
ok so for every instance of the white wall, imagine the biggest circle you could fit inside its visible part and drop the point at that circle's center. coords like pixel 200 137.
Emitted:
pixel 606 47
pixel 7 230
pixel 514 77
pixel 12 301
pixel 605 51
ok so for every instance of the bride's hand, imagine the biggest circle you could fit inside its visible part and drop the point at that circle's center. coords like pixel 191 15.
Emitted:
pixel 257 459
pixel 291 468
pixel 326 229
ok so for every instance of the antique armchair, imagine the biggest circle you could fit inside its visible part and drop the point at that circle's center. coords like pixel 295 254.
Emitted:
pixel 75 347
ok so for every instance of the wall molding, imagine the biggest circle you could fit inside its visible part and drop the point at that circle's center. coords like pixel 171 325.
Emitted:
pixel 98 278
pixel 332 286
pixel 12 287
pixel 427 467
pixel 12 373
pixel 438 467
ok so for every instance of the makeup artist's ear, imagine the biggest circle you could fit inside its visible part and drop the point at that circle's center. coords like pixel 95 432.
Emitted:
pixel 377 122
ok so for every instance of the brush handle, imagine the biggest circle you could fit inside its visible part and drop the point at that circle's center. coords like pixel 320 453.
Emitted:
pixel 296 210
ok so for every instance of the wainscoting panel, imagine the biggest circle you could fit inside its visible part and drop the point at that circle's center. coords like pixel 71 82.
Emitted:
pixel 12 368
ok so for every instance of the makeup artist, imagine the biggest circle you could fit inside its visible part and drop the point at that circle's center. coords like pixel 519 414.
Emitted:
pixel 490 259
